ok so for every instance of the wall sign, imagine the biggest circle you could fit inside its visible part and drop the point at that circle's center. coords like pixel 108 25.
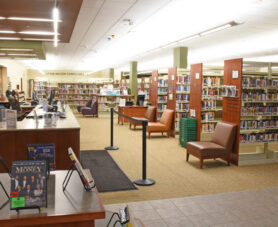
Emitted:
pixel 197 76
pixel 235 74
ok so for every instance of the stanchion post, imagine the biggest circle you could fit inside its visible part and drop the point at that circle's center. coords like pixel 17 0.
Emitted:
pixel 144 181
pixel 112 147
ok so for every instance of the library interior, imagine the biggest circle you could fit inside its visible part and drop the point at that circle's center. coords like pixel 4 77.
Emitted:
pixel 164 112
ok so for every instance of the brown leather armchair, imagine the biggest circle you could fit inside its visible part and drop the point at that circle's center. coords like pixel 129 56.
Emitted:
pixel 220 146
pixel 164 124
pixel 149 116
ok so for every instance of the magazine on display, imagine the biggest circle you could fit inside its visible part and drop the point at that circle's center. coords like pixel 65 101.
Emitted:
pixel 43 152
pixel 28 184
pixel 87 179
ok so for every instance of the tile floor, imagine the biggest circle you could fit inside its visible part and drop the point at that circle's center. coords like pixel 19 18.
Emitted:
pixel 257 208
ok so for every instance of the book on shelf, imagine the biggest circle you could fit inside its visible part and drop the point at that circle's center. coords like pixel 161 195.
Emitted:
pixel 208 116
pixel 258 124
pixel 182 106
pixel 257 110
pixel 28 184
pixel 255 95
pixel 87 179
pixel 183 97
pixel 259 137
pixel 42 152
pixel 208 127
pixel 208 104
pixel 183 79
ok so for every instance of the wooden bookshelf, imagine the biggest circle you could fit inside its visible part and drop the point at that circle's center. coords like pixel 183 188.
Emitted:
pixel 254 110
pixel 162 94
pixel 153 88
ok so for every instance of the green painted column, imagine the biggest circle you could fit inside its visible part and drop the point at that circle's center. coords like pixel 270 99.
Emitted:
pixel 180 57
pixel 111 73
pixel 133 79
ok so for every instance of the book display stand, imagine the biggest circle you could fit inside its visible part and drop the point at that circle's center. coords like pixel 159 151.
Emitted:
pixel 87 187
pixel 2 186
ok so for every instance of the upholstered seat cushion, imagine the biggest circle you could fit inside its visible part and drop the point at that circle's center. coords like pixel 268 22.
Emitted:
pixel 140 119
pixel 156 127
pixel 205 149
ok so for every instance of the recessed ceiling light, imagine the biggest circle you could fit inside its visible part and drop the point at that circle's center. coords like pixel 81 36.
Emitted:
pixel 22 55
pixel 7 32
pixel 13 49
pixel 31 19
pixel 37 33
pixel 34 39
pixel 9 38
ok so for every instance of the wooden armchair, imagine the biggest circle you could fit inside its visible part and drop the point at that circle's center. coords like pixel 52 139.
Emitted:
pixel 220 146
pixel 164 124
pixel 149 116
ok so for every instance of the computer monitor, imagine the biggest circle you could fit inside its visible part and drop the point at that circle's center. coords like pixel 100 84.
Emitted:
pixel 140 100
pixel 51 96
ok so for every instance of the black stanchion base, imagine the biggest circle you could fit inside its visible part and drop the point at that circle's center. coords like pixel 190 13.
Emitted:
pixel 144 182
pixel 112 148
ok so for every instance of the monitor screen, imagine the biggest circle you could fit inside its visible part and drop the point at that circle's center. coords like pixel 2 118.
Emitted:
pixel 140 100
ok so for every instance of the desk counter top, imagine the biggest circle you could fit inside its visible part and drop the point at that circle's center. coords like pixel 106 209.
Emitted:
pixel 69 122
pixel 72 206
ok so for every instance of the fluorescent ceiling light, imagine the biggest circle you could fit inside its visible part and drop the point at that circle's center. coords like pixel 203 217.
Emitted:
pixel 189 38
pixel 34 39
pixel 13 49
pixel 55 25
pixel 9 38
pixel 169 45
pixel 36 33
pixel 219 28
pixel 22 54
pixel 30 19
pixel 2 18
pixel 1 54
pixel 7 32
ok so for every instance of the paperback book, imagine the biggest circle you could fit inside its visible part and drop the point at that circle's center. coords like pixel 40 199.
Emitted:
pixel 28 184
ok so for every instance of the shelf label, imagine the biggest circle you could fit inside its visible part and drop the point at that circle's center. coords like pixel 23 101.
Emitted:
pixel 173 77
pixel 197 76
pixel 192 113
pixel 235 74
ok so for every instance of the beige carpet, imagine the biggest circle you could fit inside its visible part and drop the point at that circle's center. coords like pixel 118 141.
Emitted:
pixel 167 166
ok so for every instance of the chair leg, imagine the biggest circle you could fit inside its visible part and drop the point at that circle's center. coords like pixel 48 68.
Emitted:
pixel 129 125
pixel 168 134
pixel 149 136
pixel 228 160
pixel 187 156
pixel 201 163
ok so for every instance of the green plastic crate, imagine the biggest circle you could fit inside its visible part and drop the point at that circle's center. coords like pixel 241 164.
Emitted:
pixel 187 130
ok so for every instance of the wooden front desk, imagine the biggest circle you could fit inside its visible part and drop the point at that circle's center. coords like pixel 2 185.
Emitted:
pixel 74 207
pixel 65 134
pixel 131 111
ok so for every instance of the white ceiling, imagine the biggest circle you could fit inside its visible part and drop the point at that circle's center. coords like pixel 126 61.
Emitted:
pixel 159 22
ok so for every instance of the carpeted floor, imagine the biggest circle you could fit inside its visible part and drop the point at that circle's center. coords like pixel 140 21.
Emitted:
pixel 167 166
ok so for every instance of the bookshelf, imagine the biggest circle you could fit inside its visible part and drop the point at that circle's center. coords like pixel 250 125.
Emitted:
pixel 211 112
pixel 254 110
pixel 162 93
pixel 105 102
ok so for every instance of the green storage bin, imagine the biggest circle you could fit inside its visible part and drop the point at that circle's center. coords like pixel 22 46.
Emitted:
pixel 187 130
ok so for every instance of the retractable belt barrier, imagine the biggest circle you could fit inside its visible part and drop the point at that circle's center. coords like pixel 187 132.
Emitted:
pixel 144 181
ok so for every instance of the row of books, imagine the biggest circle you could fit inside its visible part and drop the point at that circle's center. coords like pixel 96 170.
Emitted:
pixel 73 97
pixel 259 110
pixel 183 79
pixel 159 116
pixel 162 98
pixel 182 115
pixel 80 103
pixel 259 82
pixel 258 137
pixel 77 86
pixel 77 91
pixel 36 88
pixel 259 96
pixel 183 88
pixel 208 127
pixel 162 90
pixel 184 97
pixel 41 92
pixel 260 124
pixel 161 107
pixel 162 83
pixel 208 116
pixel 182 106
pixel 208 104
pixel 211 81
pixel 211 91
pixel 102 107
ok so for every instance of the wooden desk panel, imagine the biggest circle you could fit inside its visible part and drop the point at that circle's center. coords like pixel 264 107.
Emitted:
pixel 65 134
pixel 131 111
pixel 74 207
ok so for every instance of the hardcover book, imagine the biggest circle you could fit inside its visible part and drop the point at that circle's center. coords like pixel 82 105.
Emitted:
pixel 42 152
pixel 28 184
